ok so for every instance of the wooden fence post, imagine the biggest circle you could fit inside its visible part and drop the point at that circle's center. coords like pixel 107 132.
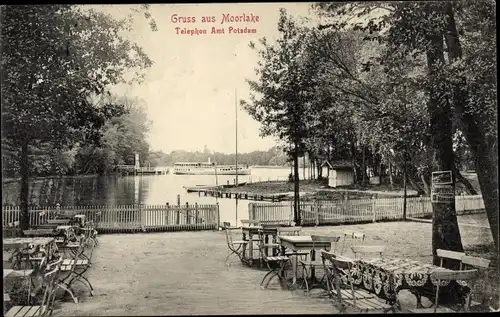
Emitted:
pixel 218 215
pixel 178 220
pixel 316 207
pixel 422 202
pixel 195 212
pixel 168 211
pixel 187 214
pixel 374 212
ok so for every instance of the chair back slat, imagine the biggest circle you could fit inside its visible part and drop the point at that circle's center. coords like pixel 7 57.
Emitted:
pixel 450 254
pixel 362 249
pixel 342 263
pixel 476 262
pixel 450 275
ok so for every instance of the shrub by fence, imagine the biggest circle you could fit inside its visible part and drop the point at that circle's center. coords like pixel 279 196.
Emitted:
pixel 356 211
pixel 127 218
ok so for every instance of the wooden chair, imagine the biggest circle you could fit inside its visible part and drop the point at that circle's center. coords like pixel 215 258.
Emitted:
pixel 47 304
pixel 449 275
pixel 270 245
pixel 90 232
pixel 368 249
pixel 346 292
pixel 309 264
pixel 355 238
pixel 73 269
pixel 236 248
pixel 275 263
pixel 470 262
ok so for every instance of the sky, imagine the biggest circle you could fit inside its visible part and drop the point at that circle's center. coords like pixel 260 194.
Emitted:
pixel 191 90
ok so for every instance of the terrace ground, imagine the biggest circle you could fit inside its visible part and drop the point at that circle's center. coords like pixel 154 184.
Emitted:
pixel 183 273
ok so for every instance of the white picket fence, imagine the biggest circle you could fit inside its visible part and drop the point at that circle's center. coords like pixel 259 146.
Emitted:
pixel 354 211
pixel 127 218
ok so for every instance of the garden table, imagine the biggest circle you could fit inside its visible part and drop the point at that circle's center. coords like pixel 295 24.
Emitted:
pixel 387 276
pixel 30 246
pixel 248 232
pixel 302 243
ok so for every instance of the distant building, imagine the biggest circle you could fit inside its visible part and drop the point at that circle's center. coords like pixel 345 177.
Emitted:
pixel 340 173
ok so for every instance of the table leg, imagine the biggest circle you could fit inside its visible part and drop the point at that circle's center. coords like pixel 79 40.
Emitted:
pixel 419 300
pixel 294 269
pixel 250 248
pixel 313 270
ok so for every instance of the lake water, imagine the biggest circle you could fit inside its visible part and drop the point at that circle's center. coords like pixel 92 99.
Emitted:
pixel 146 189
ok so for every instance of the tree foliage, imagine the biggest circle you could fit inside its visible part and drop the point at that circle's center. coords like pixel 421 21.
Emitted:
pixel 394 82
pixel 53 57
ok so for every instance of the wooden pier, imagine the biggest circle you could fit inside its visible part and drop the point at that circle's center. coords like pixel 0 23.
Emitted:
pixel 216 192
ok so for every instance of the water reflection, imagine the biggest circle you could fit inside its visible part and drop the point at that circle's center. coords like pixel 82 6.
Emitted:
pixel 147 189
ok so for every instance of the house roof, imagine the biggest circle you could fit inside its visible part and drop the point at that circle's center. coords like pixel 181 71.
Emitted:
pixel 338 164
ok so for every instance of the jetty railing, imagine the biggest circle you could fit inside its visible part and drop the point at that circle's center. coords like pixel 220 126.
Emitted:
pixel 127 218
pixel 356 211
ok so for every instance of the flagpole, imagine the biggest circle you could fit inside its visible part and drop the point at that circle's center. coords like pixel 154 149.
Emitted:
pixel 236 112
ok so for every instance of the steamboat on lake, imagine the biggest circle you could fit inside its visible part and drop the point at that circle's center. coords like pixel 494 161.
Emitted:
pixel 209 168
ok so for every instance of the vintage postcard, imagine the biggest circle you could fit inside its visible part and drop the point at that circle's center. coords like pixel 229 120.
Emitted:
pixel 250 158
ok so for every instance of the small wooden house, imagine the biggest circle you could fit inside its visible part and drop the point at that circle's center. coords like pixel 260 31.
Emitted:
pixel 340 173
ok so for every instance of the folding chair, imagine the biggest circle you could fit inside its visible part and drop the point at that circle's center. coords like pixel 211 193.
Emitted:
pixel 308 265
pixel 90 232
pixel 47 304
pixel 343 289
pixel 470 262
pixel 355 238
pixel 263 246
pixel 368 249
pixel 74 269
pixel 449 275
pixel 236 248
pixel 275 264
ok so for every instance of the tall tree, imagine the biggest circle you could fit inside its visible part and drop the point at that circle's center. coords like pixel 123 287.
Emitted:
pixel 279 99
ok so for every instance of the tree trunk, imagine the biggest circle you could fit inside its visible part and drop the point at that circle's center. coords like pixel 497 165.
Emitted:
pixel 485 155
pixel 25 176
pixel 445 231
pixel 391 181
pixel 319 169
pixel 296 201
pixel 468 186
pixel 363 167
pixel 427 189
pixel 304 166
